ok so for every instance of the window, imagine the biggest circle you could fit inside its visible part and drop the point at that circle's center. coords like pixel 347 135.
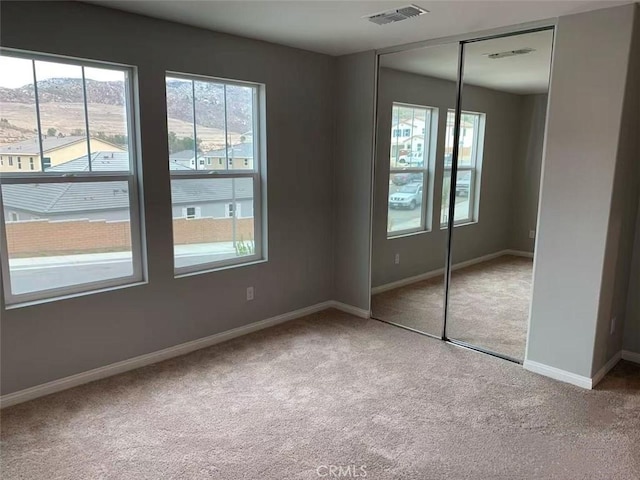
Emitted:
pixel 469 164
pixel 11 161
pixel 408 172
pixel 230 211
pixel 86 232
pixel 218 113
pixel 191 212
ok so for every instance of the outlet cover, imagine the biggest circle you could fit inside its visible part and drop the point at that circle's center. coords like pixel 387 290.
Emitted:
pixel 613 325
pixel 397 259
pixel 249 293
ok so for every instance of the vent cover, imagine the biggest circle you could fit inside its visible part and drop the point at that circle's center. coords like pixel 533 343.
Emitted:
pixel 396 15
pixel 510 53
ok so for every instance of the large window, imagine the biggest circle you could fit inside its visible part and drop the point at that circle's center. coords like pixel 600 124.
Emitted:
pixel 69 190
pixel 215 163
pixel 408 169
pixel 469 162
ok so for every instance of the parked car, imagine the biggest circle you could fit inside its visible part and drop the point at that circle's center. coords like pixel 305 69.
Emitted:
pixel 413 159
pixel 407 196
pixel 404 178
pixel 463 185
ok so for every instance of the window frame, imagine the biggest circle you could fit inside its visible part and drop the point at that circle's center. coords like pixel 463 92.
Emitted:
pixel 132 177
pixel 473 168
pixel 259 180
pixel 424 170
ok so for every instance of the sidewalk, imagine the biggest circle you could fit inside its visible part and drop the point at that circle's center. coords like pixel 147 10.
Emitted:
pixel 114 257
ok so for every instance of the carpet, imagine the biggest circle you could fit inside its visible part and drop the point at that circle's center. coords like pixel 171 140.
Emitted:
pixel 324 393
pixel 488 306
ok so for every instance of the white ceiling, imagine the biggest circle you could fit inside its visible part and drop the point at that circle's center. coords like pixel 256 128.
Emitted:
pixel 522 74
pixel 336 27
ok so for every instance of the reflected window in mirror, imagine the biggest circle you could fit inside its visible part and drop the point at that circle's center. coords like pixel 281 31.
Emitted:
pixel 472 126
pixel 409 162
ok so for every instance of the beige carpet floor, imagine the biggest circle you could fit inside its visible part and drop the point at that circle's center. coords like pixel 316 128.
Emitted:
pixel 489 305
pixel 329 389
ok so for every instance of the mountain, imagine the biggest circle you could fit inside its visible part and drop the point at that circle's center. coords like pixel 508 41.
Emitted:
pixel 209 107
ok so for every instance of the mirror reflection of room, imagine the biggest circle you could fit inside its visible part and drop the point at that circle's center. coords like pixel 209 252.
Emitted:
pixel 503 111
pixel 409 247
pixel 501 134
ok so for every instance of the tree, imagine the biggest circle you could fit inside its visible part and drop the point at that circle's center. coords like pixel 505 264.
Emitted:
pixel 177 144
pixel 52 132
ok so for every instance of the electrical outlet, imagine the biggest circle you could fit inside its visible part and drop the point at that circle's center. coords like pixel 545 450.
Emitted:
pixel 613 325
pixel 397 259
pixel 532 234
pixel 249 293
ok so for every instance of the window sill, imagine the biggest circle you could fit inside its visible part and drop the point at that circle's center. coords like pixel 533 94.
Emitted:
pixel 214 269
pixel 70 296
pixel 407 234
pixel 456 225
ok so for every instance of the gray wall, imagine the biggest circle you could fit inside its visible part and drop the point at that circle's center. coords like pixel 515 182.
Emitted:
pixel 51 340
pixel 622 220
pixel 426 251
pixel 354 132
pixel 584 125
pixel 631 342
pixel 527 168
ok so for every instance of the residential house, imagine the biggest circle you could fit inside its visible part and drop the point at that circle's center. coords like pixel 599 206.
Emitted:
pixel 236 157
pixel 199 198
pixel 25 155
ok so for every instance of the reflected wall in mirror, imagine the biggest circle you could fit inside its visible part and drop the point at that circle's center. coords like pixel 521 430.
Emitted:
pixel 503 110
pixel 416 90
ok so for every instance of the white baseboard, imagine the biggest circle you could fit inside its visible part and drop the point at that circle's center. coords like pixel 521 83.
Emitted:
pixel 557 374
pixel 434 273
pixel 519 253
pixel 164 354
pixel 407 281
pixel 343 307
pixel 631 356
pixel 604 370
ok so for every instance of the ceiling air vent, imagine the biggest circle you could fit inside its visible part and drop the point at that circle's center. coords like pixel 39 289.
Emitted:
pixel 396 15
pixel 510 53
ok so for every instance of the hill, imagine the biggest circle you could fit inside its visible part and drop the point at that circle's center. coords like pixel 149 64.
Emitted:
pixel 61 100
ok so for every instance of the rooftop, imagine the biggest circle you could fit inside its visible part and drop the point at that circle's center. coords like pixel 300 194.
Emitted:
pixel 64 198
pixel 48 143
pixel 242 150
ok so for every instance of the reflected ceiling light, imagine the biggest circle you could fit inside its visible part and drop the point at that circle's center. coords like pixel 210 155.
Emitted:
pixel 396 15
pixel 510 53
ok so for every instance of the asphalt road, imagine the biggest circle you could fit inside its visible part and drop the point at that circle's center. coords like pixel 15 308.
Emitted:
pixel 404 219
pixel 34 278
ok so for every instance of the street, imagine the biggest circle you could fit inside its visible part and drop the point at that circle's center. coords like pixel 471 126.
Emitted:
pixel 42 273
pixel 405 219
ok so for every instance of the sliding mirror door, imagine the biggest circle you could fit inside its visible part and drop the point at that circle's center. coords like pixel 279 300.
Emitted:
pixel 495 190
pixel 416 89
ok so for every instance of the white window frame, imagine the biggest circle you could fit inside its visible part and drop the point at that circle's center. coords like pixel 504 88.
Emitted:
pixel 424 170
pixel 474 169
pixel 39 177
pixel 196 212
pixel 259 182
pixel 237 212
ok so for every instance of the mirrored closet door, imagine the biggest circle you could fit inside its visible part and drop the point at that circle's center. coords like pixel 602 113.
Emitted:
pixel 497 181
pixel 416 89
pixel 457 178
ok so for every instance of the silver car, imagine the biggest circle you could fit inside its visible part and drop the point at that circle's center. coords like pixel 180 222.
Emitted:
pixel 407 196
